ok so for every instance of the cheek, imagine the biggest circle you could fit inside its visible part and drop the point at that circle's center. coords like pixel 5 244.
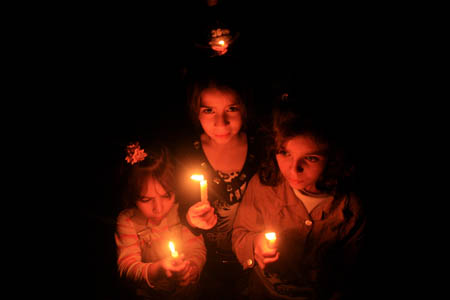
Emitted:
pixel 145 208
pixel 282 164
pixel 205 122
pixel 315 172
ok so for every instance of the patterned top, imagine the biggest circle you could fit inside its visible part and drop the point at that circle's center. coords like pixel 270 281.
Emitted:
pixel 225 191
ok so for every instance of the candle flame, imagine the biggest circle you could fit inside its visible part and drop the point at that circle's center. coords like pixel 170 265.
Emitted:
pixel 271 236
pixel 172 249
pixel 197 177
pixel 222 42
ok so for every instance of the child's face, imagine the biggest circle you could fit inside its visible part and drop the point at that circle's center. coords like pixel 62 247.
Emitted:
pixel 220 115
pixel 301 161
pixel 154 202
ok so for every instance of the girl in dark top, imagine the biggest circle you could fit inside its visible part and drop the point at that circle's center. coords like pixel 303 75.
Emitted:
pixel 225 154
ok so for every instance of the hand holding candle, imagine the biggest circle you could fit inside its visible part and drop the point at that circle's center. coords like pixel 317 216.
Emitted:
pixel 201 214
pixel 172 250
pixel 174 266
pixel 271 238
pixel 265 250
pixel 203 187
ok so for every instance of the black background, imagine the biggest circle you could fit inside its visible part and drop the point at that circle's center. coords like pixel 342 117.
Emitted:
pixel 118 74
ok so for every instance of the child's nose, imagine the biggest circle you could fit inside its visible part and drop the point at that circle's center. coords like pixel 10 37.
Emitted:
pixel 221 120
pixel 157 207
pixel 297 167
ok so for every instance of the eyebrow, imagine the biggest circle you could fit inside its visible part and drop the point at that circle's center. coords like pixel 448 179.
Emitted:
pixel 235 104
pixel 320 153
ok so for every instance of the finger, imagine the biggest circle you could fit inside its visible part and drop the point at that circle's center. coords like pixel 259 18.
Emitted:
pixel 260 262
pixel 213 221
pixel 199 212
pixel 207 213
pixel 179 267
pixel 268 260
pixel 269 252
pixel 168 274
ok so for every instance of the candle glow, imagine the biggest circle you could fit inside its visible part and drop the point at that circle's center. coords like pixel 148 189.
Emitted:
pixel 172 249
pixel 203 187
pixel 271 238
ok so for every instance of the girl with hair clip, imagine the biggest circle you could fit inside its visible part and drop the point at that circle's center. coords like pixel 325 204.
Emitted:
pixel 302 193
pixel 147 224
pixel 224 151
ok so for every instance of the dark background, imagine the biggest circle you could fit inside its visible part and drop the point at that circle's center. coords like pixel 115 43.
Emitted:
pixel 120 75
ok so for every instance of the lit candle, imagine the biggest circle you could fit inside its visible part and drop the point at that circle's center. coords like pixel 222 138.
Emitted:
pixel 172 249
pixel 271 238
pixel 203 187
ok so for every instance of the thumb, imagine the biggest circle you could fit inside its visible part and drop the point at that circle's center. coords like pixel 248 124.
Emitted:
pixel 168 274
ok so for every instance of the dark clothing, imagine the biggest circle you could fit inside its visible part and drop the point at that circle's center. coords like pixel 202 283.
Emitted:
pixel 225 191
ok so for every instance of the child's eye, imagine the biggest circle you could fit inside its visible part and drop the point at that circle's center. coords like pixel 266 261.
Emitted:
pixel 283 152
pixel 206 110
pixel 145 199
pixel 233 108
pixel 312 158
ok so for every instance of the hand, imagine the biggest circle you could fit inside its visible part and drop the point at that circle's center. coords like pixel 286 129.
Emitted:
pixel 173 267
pixel 201 215
pixel 263 253
pixel 189 275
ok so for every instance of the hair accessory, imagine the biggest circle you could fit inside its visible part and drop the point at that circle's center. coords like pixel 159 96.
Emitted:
pixel 284 97
pixel 135 154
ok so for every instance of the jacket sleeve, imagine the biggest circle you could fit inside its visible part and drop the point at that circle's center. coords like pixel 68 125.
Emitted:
pixel 129 257
pixel 353 251
pixel 248 224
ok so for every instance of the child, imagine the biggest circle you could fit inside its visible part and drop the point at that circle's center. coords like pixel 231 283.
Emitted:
pixel 302 194
pixel 225 154
pixel 148 223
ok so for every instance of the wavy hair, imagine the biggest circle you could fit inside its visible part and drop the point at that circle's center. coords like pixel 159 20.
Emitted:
pixel 291 118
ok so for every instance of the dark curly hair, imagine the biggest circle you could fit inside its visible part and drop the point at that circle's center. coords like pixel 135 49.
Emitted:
pixel 158 165
pixel 292 117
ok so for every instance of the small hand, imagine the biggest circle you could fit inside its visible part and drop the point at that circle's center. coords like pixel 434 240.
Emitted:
pixel 263 253
pixel 173 266
pixel 189 275
pixel 202 215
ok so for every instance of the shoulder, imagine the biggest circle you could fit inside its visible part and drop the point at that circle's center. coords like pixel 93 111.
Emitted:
pixel 125 216
pixel 353 205
pixel 256 186
pixel 124 222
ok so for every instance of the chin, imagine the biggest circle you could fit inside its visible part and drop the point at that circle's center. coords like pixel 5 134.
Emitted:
pixel 156 220
pixel 296 185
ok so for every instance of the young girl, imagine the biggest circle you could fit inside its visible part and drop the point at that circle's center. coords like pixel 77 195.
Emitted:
pixel 148 223
pixel 302 194
pixel 225 154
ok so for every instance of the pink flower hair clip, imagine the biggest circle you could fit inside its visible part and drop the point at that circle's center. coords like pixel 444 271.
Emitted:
pixel 135 154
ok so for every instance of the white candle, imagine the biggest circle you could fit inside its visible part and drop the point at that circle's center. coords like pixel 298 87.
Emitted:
pixel 172 249
pixel 203 187
pixel 271 238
